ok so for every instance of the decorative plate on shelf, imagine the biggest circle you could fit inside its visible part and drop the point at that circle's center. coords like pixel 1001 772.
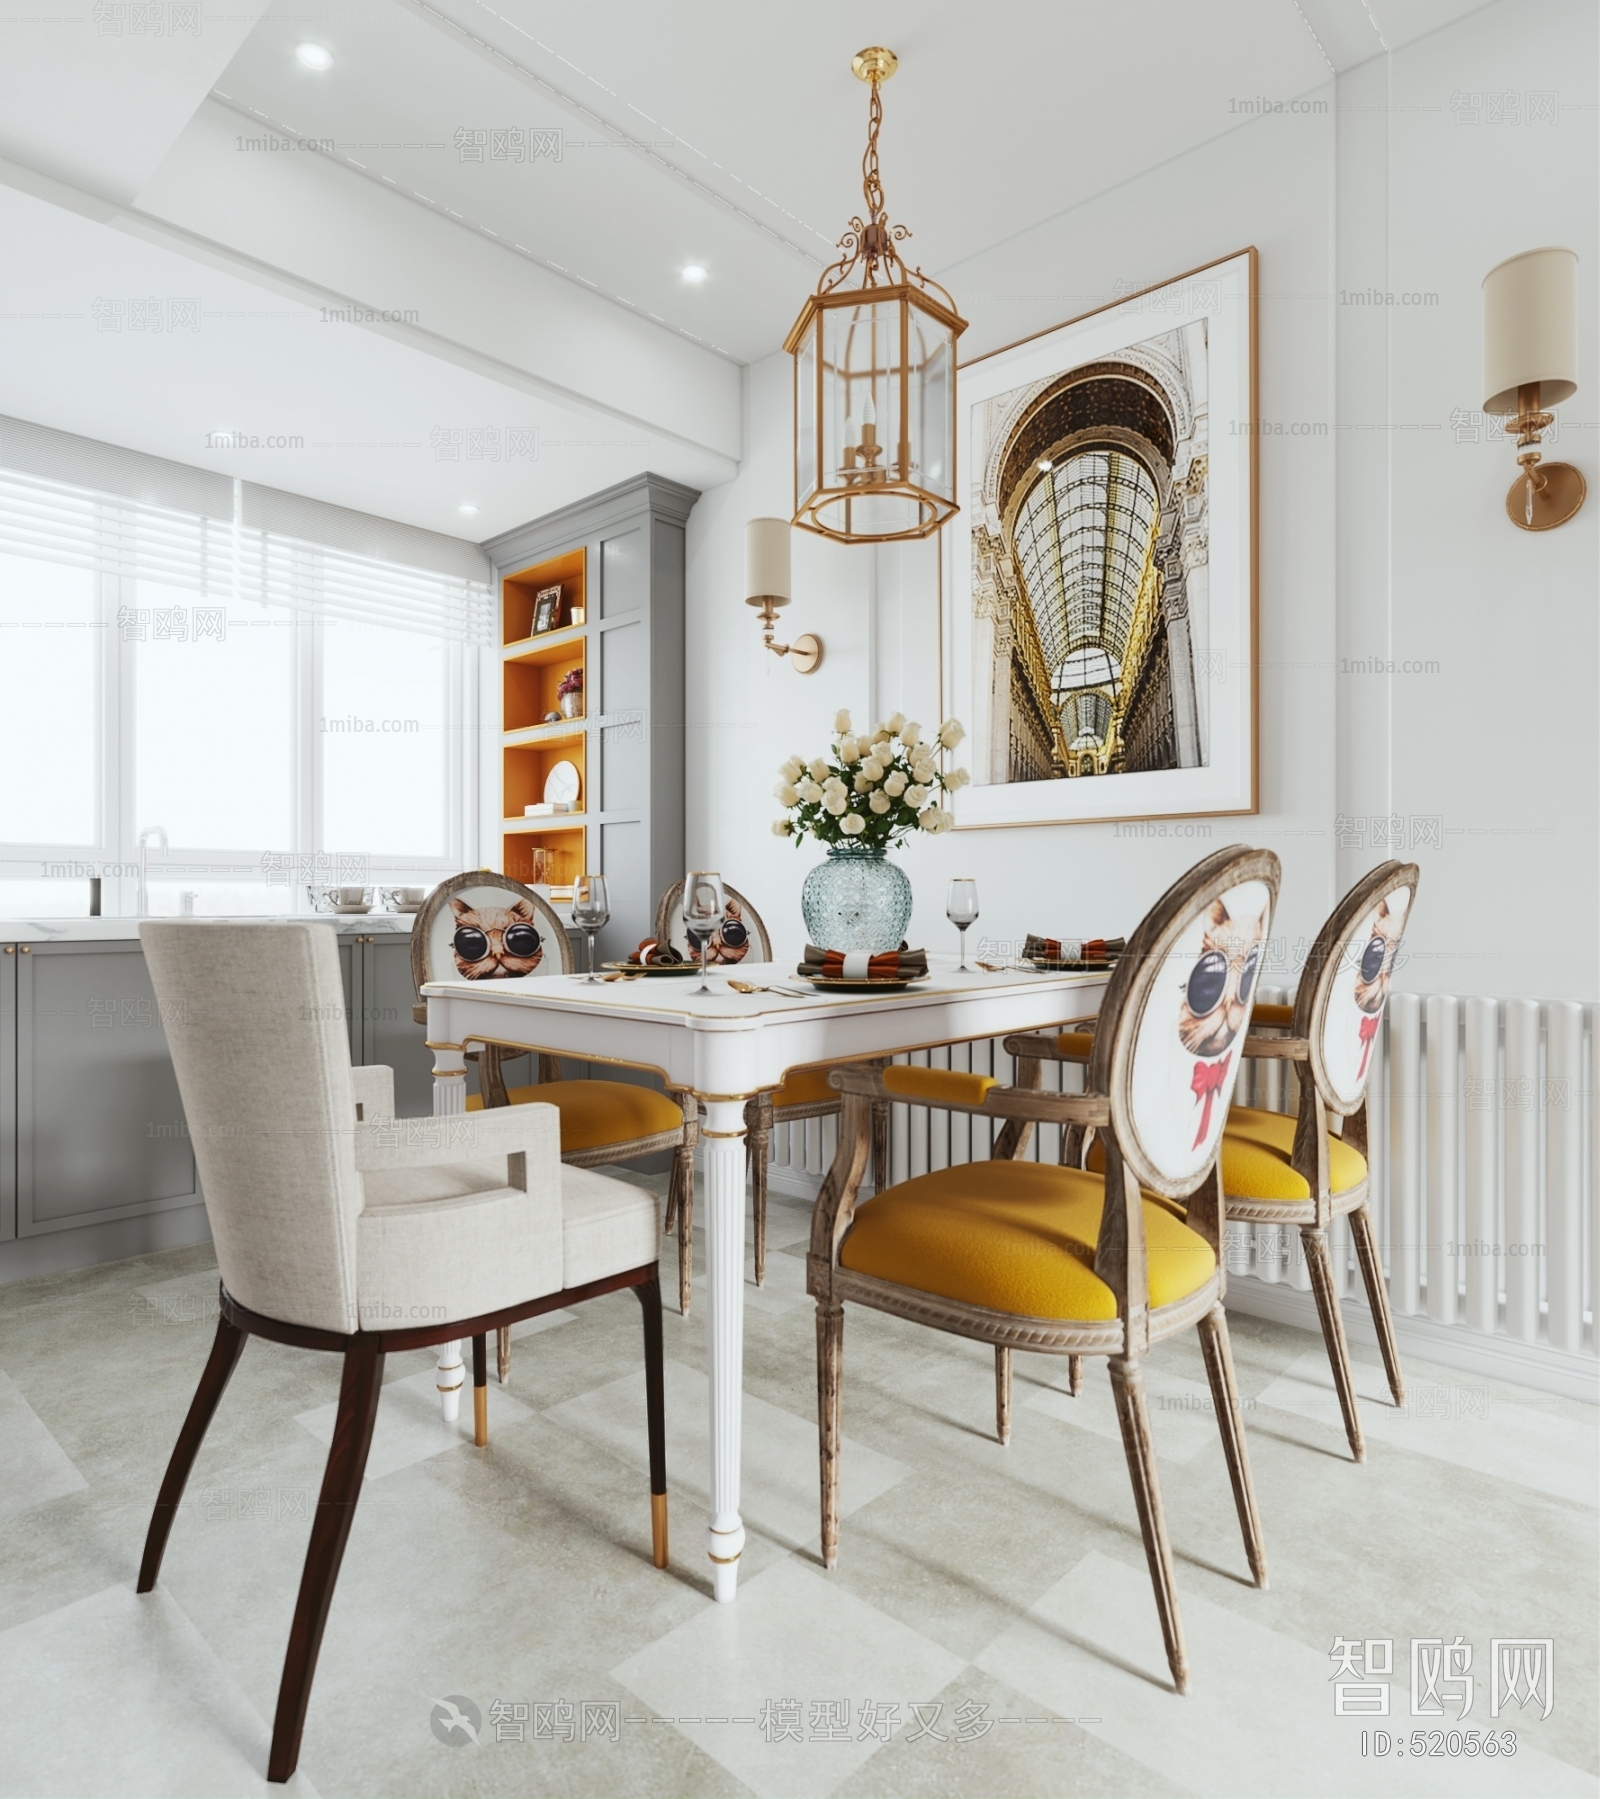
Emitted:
pixel 562 785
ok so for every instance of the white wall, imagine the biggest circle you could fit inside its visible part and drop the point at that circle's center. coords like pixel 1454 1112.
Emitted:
pixel 1370 537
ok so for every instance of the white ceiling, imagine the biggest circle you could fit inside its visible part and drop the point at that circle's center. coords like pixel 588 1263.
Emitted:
pixel 547 292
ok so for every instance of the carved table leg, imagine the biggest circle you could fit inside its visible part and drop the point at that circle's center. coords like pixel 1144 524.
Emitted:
pixel 723 1135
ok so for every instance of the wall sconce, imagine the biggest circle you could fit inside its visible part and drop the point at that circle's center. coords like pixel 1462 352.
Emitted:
pixel 1530 365
pixel 766 587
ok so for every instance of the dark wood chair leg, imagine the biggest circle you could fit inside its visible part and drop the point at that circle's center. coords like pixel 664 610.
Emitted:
pixel 1378 1299
pixel 1002 1392
pixel 1320 1265
pixel 880 1144
pixel 330 1530
pixel 758 1140
pixel 830 1372
pixel 1218 1353
pixel 480 1390
pixel 226 1348
pixel 684 1157
pixel 655 1399
pixel 1127 1385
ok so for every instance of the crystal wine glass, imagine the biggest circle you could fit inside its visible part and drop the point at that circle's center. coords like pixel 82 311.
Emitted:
pixel 961 908
pixel 705 905
pixel 591 910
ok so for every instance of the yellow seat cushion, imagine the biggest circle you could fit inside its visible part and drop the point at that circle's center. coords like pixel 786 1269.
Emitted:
pixel 1077 1044
pixel 1256 1147
pixel 804 1087
pixel 1015 1237
pixel 597 1113
pixel 1277 1017
pixel 938 1086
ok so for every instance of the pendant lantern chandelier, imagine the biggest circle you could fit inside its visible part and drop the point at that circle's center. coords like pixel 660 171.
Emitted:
pixel 874 376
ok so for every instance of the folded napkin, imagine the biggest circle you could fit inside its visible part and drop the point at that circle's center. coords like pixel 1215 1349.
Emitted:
pixel 1073 949
pixel 856 965
pixel 652 953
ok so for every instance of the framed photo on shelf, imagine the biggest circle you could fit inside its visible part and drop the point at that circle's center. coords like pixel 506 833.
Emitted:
pixel 1100 620
pixel 546 609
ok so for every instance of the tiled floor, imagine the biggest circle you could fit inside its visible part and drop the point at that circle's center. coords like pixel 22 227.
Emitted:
pixel 498 1627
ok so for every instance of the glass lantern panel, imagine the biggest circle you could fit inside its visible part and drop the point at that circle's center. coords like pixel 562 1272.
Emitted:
pixel 805 417
pixel 932 404
pixel 862 424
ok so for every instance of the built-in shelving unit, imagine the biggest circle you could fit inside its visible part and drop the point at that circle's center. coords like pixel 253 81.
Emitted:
pixel 618 559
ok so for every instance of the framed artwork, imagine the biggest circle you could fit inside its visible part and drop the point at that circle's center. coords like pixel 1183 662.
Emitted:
pixel 546 609
pixel 1100 627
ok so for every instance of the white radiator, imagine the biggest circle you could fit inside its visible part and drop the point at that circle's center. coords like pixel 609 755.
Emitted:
pixel 1485 1146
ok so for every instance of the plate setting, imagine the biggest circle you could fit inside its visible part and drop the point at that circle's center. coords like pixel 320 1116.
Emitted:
pixel 653 967
pixel 838 983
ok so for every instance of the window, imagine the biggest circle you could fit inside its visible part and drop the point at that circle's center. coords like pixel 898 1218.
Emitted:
pixel 289 714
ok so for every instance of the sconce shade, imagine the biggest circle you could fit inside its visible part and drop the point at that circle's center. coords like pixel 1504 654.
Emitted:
pixel 1529 328
pixel 766 560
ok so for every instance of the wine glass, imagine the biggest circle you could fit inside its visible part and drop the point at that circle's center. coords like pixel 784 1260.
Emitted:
pixel 591 909
pixel 961 908
pixel 705 905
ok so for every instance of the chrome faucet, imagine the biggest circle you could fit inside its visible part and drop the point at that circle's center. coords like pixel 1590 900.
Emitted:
pixel 158 831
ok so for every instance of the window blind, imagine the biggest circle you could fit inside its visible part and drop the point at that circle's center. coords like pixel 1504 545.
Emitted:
pixel 267 547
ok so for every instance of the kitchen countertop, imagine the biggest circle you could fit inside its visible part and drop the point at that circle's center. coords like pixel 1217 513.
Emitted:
pixel 113 930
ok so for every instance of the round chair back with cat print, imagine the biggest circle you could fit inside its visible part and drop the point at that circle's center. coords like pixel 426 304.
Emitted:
pixel 484 926
pixel 1176 1014
pixel 1345 987
pixel 740 937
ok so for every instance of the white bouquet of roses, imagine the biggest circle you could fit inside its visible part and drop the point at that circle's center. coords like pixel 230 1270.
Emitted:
pixel 877 788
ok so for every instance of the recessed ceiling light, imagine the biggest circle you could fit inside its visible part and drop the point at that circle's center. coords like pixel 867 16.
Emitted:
pixel 467 511
pixel 313 56
pixel 694 274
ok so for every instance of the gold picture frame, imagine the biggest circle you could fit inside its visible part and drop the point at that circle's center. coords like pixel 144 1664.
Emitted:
pixel 1155 390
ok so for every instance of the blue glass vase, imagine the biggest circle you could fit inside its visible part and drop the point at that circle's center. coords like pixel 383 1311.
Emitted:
pixel 857 900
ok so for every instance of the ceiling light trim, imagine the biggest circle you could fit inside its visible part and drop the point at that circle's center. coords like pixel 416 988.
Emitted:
pixel 531 77
pixel 440 210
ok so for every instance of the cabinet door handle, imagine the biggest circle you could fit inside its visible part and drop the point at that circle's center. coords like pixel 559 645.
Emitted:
pixel 26 950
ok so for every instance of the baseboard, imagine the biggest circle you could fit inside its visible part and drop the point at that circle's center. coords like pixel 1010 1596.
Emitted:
pixel 54 1252
pixel 1536 1365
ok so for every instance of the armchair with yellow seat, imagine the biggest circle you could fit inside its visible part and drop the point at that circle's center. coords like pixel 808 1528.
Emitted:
pixel 1052 1259
pixel 488 926
pixel 1283 1170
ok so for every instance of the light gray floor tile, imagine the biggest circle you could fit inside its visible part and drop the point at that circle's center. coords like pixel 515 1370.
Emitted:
pixel 1091 1649
pixel 119 1695
pixel 1182 1424
pixel 34 1468
pixel 410 1427
pixel 1454 1418
pixel 780 1493
pixel 755 1666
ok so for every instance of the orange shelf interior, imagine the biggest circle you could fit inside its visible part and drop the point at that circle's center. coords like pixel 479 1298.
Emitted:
pixel 531 683
pixel 519 592
pixel 563 847
pixel 526 767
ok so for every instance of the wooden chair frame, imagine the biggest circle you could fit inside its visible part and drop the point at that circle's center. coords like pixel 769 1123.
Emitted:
pixel 359 1390
pixel 681 1141
pixel 1319 1104
pixel 1120 1258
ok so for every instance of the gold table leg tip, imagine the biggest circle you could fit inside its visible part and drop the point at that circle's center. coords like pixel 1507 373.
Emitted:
pixel 658 1529
pixel 480 1416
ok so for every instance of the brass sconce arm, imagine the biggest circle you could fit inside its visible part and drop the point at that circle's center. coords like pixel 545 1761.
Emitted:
pixel 806 650
pixel 1549 493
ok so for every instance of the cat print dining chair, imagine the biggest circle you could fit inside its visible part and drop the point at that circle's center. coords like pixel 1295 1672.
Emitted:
pixel 804 1094
pixel 1283 1170
pixel 1055 1259
pixel 484 926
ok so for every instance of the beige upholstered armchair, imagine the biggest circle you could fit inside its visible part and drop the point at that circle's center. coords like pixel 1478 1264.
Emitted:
pixel 339 1227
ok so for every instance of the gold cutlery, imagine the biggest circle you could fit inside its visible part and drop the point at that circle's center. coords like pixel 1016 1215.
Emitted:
pixel 747 987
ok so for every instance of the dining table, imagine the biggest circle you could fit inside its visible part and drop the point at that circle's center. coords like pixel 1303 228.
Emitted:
pixel 724 1046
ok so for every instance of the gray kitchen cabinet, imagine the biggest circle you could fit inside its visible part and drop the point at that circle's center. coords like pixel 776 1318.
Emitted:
pixel 386 1030
pixel 99 1128
pixel 8 1094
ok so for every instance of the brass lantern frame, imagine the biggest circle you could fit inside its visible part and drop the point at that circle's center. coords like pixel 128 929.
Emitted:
pixel 868 251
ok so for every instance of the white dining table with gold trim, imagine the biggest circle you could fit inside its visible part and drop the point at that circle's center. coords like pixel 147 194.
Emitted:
pixel 725 1046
